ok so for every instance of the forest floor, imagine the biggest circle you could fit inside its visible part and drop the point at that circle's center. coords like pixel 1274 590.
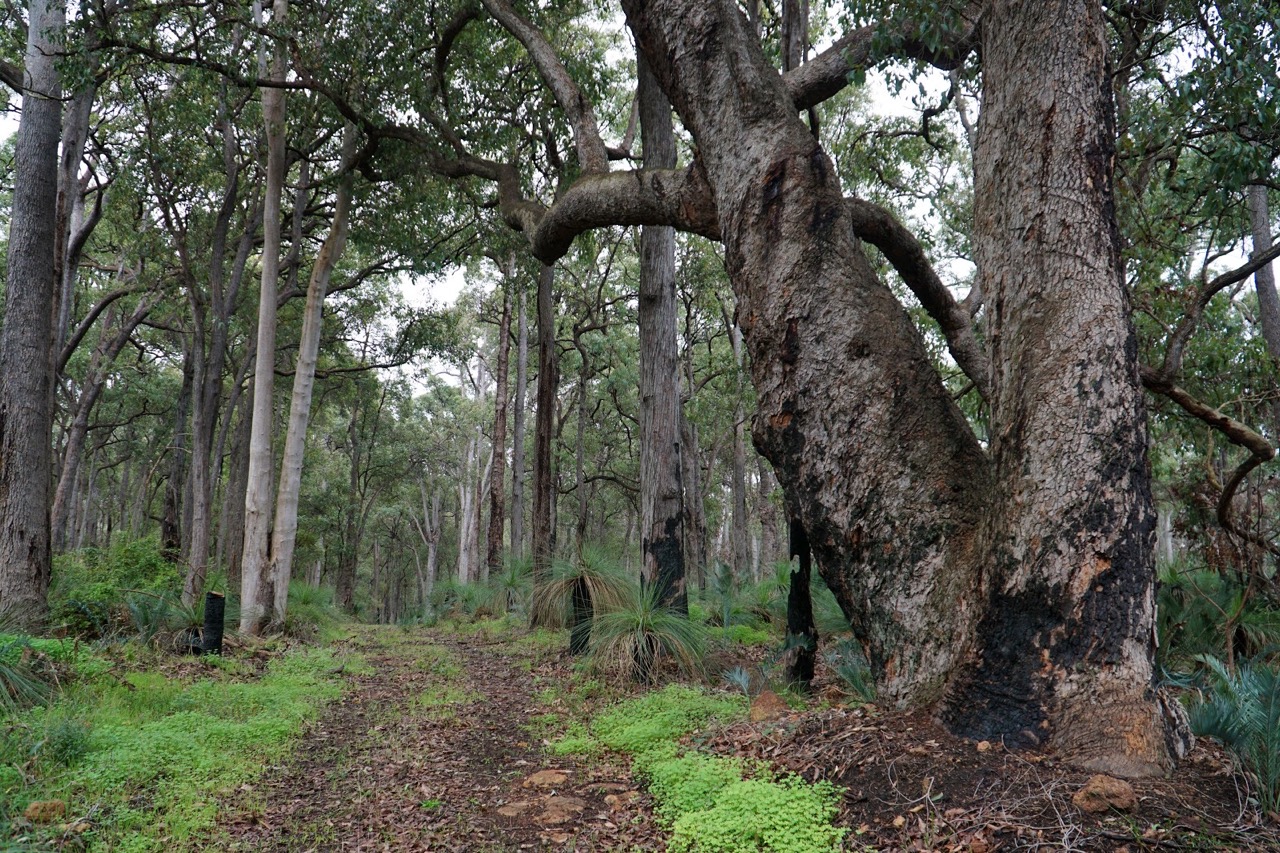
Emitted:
pixel 438 744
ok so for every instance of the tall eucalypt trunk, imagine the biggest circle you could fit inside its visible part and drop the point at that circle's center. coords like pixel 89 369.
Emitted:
pixel 1014 590
pixel 284 536
pixel 256 591
pixel 1064 650
pixel 661 465
pixel 26 351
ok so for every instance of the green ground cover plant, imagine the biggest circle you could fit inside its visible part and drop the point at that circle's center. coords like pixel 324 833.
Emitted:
pixel 711 803
pixel 142 760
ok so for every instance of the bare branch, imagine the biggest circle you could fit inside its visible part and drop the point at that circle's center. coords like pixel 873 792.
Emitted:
pixel 592 155
pixel 880 228
pixel 827 73
pixel 1260 450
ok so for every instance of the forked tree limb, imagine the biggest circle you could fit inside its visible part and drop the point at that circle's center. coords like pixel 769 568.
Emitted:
pixel 827 73
pixel 1260 450
pixel 592 155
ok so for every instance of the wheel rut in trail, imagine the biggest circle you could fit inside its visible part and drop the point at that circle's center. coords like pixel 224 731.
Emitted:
pixel 428 750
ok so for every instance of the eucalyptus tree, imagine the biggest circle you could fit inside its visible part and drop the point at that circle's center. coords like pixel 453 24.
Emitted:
pixel 26 368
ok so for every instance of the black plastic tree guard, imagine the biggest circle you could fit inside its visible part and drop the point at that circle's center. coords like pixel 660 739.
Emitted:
pixel 215 608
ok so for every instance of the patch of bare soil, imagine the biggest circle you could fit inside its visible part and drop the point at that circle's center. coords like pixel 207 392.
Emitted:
pixel 431 750
pixel 911 786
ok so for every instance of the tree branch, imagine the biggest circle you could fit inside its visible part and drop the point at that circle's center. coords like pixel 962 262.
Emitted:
pixel 827 73
pixel 1260 450
pixel 1172 366
pixel 592 155
pixel 86 324
pixel 880 228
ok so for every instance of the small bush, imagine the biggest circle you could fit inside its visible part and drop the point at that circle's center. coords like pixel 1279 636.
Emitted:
pixel 1242 711
pixel 635 633
pixel 88 585
pixel 848 663
pixel 67 740
pixel 311 611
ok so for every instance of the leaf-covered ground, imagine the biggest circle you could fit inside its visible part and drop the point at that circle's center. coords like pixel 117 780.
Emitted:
pixel 439 744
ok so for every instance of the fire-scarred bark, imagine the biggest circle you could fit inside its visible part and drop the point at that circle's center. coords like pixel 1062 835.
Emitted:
pixel 1020 584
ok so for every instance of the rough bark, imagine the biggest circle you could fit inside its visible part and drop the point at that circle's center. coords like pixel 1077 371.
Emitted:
pixel 26 359
pixel 498 473
pixel 661 442
pixel 544 423
pixel 850 411
pixel 285 534
pixel 518 429
pixel 255 577
pixel 1064 648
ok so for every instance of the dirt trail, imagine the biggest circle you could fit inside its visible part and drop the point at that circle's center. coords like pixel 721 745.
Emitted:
pixel 431 750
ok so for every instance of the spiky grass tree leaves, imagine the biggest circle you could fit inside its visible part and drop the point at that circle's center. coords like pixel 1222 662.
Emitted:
pixel 640 630
pixel 1242 711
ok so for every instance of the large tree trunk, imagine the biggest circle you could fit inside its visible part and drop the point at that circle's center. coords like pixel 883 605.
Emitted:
pixel 661 451
pixel 544 490
pixel 1025 584
pixel 498 471
pixel 872 454
pixel 1064 649
pixel 26 357
pixel 255 578
pixel 285 534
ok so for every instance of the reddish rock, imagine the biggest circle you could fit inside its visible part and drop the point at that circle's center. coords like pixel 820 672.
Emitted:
pixel 768 706
pixel 1104 793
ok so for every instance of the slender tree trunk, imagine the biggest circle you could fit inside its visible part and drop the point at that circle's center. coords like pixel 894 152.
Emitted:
pixel 498 473
pixel 1264 282
pixel 345 581
pixel 175 482
pixel 580 446
pixel 104 356
pixel 661 445
pixel 285 535
pixel 231 525
pixel 466 514
pixel 255 579
pixel 518 430
pixel 1065 647
pixel 738 472
pixel 695 516
pixel 544 490
pixel 72 227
